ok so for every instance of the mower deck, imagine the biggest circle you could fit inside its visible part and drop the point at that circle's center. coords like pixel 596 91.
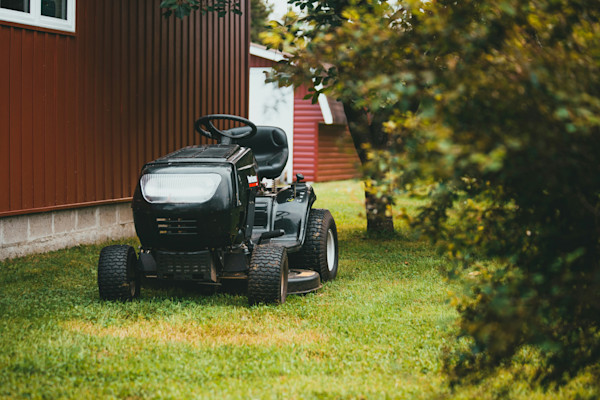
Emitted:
pixel 303 281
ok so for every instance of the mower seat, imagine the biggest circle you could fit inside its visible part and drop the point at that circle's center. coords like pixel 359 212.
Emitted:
pixel 270 148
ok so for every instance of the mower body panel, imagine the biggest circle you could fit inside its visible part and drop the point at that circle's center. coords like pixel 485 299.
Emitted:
pixel 287 210
pixel 224 219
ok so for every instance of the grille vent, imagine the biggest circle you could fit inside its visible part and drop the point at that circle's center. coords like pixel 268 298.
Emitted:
pixel 194 264
pixel 177 226
pixel 260 215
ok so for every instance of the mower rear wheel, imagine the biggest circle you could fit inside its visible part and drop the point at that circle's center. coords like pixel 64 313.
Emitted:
pixel 268 275
pixel 320 249
pixel 118 278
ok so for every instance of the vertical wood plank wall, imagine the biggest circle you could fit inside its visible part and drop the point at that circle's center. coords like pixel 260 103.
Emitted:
pixel 80 114
pixel 321 152
pixel 337 158
pixel 306 135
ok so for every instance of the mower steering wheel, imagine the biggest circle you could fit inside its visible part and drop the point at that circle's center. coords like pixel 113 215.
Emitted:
pixel 206 122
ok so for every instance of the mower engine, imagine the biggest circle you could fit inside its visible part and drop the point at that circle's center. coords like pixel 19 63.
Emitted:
pixel 191 201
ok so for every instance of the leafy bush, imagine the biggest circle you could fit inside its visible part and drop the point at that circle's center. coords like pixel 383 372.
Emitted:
pixel 509 129
pixel 497 104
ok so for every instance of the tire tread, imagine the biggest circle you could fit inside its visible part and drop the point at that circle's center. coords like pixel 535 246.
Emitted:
pixel 112 272
pixel 264 276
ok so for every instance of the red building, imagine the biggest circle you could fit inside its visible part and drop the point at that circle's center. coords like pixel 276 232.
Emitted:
pixel 322 147
pixel 89 92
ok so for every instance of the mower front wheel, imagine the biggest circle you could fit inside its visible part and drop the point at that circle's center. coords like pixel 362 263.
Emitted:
pixel 118 278
pixel 320 249
pixel 268 275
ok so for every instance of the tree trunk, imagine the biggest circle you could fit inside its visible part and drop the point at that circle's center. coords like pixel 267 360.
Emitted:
pixel 367 132
pixel 378 220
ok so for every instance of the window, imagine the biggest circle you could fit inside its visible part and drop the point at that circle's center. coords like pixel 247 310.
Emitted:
pixel 53 14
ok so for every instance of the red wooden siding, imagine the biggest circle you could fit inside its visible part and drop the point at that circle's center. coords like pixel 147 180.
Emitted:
pixel 260 62
pixel 337 158
pixel 306 119
pixel 80 114
pixel 321 152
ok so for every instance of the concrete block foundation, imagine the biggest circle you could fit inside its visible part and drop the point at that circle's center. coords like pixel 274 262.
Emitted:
pixel 39 233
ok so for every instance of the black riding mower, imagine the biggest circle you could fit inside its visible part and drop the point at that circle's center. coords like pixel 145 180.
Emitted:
pixel 203 214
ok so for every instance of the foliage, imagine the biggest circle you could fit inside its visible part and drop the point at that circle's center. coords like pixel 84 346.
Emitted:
pixel 377 332
pixel 339 66
pixel 509 128
pixel 496 104
pixel 260 12
pixel 183 8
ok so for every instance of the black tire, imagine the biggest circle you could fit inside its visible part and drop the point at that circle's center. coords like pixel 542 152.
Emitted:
pixel 320 249
pixel 268 275
pixel 302 281
pixel 118 278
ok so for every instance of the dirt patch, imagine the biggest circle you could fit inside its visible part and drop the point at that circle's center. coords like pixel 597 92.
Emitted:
pixel 200 335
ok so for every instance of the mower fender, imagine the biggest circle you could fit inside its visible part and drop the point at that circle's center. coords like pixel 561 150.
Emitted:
pixel 292 206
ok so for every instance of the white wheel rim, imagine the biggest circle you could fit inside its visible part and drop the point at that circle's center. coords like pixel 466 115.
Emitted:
pixel 282 288
pixel 330 250
pixel 283 284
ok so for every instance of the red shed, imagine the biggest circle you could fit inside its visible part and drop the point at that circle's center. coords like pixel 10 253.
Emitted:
pixel 322 148
pixel 89 92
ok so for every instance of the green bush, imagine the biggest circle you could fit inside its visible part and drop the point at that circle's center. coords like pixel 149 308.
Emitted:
pixel 497 105
pixel 509 130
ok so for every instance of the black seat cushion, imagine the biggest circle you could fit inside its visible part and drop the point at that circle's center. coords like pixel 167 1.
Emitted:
pixel 270 148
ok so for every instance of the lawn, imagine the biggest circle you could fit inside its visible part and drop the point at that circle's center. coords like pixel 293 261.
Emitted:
pixel 378 331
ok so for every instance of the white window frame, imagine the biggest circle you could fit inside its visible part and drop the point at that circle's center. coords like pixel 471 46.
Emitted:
pixel 35 18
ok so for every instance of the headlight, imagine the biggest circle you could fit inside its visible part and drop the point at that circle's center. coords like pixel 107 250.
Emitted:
pixel 179 188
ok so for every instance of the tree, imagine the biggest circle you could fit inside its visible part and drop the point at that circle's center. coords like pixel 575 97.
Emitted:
pixel 495 105
pixel 183 8
pixel 259 11
pixel 260 16
pixel 336 66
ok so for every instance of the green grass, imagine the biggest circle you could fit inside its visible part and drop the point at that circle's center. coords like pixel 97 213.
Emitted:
pixel 378 331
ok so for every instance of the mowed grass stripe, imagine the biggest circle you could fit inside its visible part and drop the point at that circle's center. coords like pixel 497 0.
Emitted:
pixel 377 332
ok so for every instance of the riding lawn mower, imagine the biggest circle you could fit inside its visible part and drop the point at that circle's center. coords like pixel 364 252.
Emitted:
pixel 210 214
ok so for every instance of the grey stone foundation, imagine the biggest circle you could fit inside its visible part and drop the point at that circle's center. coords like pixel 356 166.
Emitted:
pixel 39 233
